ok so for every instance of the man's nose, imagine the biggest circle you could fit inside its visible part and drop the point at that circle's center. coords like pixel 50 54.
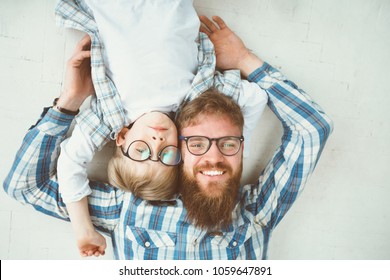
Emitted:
pixel 213 155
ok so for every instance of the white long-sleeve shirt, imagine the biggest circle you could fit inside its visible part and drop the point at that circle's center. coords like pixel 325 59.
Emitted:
pixel 150 53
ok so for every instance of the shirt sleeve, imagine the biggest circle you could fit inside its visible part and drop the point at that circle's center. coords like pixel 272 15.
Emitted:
pixel 33 178
pixel 76 153
pixel 252 101
pixel 305 130
pixel 251 98
pixel 90 134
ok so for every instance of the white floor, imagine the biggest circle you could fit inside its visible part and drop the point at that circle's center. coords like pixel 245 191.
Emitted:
pixel 338 51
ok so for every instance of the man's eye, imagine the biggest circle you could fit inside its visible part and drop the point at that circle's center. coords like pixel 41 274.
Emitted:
pixel 228 145
pixel 197 145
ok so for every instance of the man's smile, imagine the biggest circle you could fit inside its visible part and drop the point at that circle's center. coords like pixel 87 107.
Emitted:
pixel 212 173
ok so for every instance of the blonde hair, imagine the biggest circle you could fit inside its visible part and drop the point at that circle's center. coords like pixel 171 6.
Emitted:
pixel 152 185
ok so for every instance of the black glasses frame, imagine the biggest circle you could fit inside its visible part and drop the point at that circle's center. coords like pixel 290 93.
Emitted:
pixel 126 154
pixel 211 140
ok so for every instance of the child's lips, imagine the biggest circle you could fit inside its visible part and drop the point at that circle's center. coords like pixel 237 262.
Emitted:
pixel 158 128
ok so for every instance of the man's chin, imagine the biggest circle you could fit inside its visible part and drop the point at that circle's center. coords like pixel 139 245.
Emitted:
pixel 212 190
pixel 209 203
pixel 212 187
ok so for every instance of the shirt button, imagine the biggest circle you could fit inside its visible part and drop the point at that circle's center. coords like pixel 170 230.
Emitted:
pixel 147 244
pixel 234 244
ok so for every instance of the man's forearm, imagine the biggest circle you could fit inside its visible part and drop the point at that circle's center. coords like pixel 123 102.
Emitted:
pixel 32 179
pixel 292 105
pixel 306 129
pixel 69 103
pixel 249 64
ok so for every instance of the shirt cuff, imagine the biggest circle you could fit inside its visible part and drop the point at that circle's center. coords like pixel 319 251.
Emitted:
pixel 59 118
pixel 259 73
pixel 266 76
pixel 55 123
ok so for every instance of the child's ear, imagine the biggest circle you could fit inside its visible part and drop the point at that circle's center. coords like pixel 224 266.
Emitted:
pixel 120 139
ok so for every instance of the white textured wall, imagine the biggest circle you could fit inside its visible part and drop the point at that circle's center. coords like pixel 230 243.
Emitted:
pixel 337 50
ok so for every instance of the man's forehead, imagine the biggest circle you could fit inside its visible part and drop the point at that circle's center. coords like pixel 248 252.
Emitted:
pixel 211 125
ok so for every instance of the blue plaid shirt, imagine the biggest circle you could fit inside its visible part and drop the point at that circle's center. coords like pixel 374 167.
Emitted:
pixel 140 230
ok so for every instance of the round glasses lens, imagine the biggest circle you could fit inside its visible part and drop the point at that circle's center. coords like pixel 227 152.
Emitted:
pixel 170 155
pixel 229 145
pixel 198 145
pixel 139 150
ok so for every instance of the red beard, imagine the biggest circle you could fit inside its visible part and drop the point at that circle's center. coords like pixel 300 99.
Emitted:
pixel 205 211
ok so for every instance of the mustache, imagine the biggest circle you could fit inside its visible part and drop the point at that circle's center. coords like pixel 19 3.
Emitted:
pixel 208 166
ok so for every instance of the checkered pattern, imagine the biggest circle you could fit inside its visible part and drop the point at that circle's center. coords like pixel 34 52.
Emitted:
pixel 140 230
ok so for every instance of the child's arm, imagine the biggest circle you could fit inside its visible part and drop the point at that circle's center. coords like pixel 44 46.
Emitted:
pixel 89 241
pixel 76 152
pixel 74 188
pixel 78 86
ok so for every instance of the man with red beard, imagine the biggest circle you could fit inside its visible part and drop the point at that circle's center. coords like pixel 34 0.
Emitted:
pixel 211 129
pixel 211 173
pixel 213 217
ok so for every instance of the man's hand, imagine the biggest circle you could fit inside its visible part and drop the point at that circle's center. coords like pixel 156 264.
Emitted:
pixel 78 80
pixel 229 48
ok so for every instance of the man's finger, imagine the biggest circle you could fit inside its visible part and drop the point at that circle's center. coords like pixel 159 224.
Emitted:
pixel 204 30
pixel 220 22
pixel 208 23
pixel 79 57
pixel 83 54
pixel 84 43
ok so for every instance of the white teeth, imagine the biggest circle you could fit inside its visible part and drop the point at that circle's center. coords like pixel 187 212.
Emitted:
pixel 212 173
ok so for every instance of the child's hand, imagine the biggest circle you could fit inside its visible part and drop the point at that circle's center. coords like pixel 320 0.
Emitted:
pixel 92 244
pixel 89 241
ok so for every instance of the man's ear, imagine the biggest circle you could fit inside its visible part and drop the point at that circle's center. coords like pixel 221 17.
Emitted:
pixel 120 139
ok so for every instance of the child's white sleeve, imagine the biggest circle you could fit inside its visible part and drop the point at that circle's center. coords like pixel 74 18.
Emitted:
pixel 76 152
pixel 252 101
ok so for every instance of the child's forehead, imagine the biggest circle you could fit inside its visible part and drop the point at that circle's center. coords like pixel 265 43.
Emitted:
pixel 171 115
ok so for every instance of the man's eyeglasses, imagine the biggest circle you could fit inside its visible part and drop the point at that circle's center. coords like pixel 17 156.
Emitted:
pixel 199 145
pixel 140 151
